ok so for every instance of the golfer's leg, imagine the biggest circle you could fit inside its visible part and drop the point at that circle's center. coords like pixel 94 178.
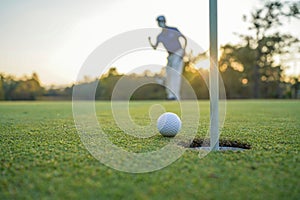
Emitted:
pixel 177 65
pixel 169 78
pixel 173 83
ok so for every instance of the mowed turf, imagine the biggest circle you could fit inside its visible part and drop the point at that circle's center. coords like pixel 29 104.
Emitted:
pixel 42 156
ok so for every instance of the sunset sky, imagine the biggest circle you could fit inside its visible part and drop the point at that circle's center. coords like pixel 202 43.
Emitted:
pixel 54 38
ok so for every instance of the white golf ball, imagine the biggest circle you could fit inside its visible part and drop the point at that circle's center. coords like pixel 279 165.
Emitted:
pixel 168 124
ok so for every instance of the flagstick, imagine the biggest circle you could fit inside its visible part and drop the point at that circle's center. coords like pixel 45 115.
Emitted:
pixel 214 76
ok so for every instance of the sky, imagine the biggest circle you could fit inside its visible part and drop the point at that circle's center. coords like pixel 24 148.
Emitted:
pixel 54 38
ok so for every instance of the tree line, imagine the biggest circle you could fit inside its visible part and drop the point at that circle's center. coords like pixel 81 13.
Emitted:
pixel 29 88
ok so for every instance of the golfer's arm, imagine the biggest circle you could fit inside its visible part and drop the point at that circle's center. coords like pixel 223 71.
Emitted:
pixel 185 41
pixel 155 45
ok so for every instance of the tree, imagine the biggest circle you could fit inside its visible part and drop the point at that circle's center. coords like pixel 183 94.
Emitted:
pixel 107 83
pixel 2 92
pixel 258 49
pixel 267 44
pixel 197 78
pixel 295 87
pixel 25 88
pixel 9 85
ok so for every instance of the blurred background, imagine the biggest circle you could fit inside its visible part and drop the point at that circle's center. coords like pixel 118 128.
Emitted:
pixel 44 44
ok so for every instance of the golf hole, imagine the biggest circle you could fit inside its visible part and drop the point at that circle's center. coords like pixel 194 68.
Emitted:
pixel 204 144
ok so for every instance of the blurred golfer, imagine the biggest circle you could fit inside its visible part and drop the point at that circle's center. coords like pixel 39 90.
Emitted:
pixel 169 37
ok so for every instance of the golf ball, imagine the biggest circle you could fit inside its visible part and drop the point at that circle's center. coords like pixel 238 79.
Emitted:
pixel 168 124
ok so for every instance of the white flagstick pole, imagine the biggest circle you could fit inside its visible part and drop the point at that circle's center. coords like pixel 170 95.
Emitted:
pixel 214 75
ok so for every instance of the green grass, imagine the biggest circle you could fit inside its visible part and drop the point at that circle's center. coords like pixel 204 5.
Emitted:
pixel 42 156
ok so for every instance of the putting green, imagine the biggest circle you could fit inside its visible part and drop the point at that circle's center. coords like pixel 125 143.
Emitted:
pixel 42 155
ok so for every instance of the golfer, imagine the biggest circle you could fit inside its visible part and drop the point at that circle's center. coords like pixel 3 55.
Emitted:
pixel 169 37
